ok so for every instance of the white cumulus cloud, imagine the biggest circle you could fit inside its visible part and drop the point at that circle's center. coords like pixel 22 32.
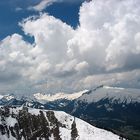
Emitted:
pixel 103 49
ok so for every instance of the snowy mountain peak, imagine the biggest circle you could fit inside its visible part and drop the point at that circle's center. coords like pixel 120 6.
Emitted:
pixel 27 123
pixel 7 97
pixel 57 96
pixel 121 95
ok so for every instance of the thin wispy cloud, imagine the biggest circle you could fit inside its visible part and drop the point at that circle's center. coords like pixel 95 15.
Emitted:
pixel 45 3
pixel 18 9
pixel 42 5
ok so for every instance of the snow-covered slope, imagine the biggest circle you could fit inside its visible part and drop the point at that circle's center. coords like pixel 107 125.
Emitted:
pixel 121 95
pixel 126 95
pixel 58 96
pixel 6 97
pixel 28 123
pixel 113 108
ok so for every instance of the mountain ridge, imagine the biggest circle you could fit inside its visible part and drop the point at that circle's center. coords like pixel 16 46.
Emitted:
pixel 115 109
pixel 32 124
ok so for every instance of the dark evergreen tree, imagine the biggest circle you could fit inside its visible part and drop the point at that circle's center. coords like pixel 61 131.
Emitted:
pixel 74 132
pixel 44 126
pixel 120 138
pixel 54 122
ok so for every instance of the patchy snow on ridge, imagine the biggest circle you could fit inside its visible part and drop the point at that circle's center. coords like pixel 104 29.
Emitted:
pixel 121 95
pixel 1 96
pixel 58 96
pixel 6 97
pixel 85 131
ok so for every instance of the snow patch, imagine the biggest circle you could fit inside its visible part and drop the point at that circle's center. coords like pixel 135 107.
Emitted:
pixel 121 95
pixel 58 96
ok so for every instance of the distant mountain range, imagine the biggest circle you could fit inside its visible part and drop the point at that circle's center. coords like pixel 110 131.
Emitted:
pixel 58 96
pixel 22 123
pixel 115 109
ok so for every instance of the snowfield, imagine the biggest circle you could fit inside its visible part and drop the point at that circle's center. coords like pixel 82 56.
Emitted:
pixel 57 96
pixel 121 95
pixel 85 130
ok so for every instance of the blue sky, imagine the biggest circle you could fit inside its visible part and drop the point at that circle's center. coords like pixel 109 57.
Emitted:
pixel 67 12
pixel 14 11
